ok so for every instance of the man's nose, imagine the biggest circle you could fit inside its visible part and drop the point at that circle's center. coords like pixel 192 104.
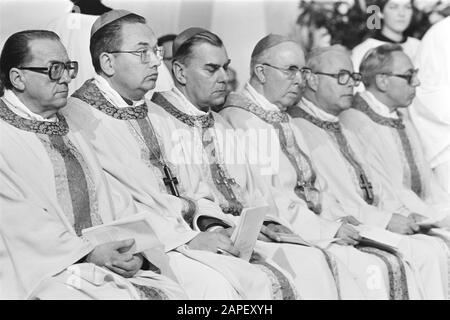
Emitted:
pixel 223 75
pixel 65 78
pixel 155 61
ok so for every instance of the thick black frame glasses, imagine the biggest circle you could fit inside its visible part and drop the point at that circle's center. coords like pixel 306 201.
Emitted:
pixel 344 76
pixel 409 77
pixel 56 69
pixel 290 72
pixel 145 54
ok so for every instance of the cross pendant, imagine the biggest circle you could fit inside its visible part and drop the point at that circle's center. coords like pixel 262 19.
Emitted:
pixel 223 180
pixel 170 181
pixel 366 186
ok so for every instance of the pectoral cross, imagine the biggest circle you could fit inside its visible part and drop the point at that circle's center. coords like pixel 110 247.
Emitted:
pixel 366 186
pixel 170 181
pixel 223 180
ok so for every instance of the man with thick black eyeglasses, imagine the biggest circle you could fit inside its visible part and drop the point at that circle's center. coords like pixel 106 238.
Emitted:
pixel 350 178
pixel 56 69
pixel 52 188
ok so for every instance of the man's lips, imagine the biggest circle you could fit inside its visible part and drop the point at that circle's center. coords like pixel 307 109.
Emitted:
pixel 152 76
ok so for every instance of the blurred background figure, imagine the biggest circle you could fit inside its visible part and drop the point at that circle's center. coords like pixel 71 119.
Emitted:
pixel 396 17
pixel 232 82
pixel 430 111
pixel 74 30
pixel 232 85
pixel 310 30
pixel 166 42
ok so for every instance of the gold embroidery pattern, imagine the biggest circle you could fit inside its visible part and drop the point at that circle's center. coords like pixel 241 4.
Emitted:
pixel 59 128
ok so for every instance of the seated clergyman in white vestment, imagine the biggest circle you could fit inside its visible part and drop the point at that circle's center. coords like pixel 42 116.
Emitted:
pixel 52 188
pixel 275 84
pixel 329 81
pixel 202 145
pixel 110 112
pixel 396 149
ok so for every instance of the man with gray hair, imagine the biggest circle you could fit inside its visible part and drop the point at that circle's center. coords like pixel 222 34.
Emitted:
pixel 329 83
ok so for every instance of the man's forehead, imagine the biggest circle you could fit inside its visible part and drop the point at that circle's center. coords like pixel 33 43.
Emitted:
pixel 46 50
pixel 335 60
pixel 206 53
pixel 134 34
pixel 401 61
pixel 287 53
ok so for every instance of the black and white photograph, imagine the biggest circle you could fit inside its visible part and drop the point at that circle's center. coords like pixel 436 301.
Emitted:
pixel 224 150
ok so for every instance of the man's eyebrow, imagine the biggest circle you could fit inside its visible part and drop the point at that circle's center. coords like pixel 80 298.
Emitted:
pixel 217 66
pixel 143 44
pixel 54 61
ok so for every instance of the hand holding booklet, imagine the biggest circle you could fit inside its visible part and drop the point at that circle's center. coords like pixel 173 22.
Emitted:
pixel 132 227
pixel 246 233
pixel 379 238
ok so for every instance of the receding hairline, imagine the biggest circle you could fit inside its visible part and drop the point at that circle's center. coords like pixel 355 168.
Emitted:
pixel 318 56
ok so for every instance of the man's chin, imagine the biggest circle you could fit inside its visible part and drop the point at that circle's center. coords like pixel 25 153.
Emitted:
pixel 149 85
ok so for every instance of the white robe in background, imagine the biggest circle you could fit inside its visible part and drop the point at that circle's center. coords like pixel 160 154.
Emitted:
pixel 430 111
pixel 122 155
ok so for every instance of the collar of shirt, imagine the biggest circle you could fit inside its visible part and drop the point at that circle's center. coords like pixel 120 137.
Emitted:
pixel 312 109
pixel 13 102
pixel 112 95
pixel 260 99
pixel 185 105
pixel 378 106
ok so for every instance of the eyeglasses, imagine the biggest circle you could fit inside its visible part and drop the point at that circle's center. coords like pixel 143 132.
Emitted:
pixel 56 69
pixel 343 76
pixel 290 72
pixel 409 77
pixel 145 54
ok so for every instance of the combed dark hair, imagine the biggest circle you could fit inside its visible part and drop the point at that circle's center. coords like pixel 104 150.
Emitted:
pixel 166 38
pixel 377 60
pixel 16 52
pixel 109 38
pixel 185 50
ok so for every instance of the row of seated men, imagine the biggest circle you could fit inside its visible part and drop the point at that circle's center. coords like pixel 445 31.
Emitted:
pixel 327 164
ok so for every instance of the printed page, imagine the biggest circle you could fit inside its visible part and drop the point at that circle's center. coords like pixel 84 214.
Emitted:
pixel 133 227
pixel 246 233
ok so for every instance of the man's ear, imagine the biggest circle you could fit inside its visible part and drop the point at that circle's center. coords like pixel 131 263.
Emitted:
pixel 178 70
pixel 258 70
pixel 312 82
pixel 381 82
pixel 17 79
pixel 107 63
